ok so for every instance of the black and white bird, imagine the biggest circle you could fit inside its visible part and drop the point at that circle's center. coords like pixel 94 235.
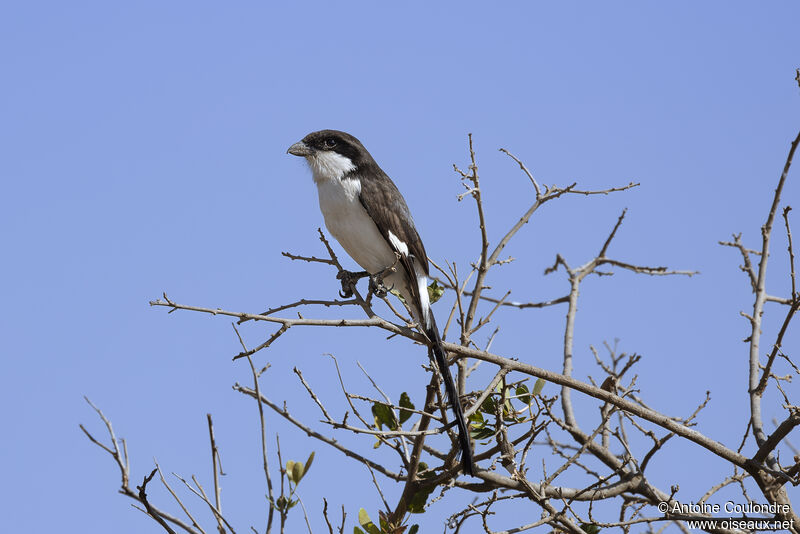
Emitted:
pixel 368 216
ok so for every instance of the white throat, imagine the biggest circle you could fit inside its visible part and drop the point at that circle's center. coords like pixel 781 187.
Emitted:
pixel 328 165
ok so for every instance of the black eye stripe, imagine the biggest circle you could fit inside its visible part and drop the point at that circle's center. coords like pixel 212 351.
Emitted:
pixel 329 142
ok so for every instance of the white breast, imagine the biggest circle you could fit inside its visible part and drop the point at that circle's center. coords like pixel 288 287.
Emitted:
pixel 351 225
pixel 348 221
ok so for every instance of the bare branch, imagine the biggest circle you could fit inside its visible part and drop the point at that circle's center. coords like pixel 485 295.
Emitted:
pixel 289 322
pixel 124 467
pixel 152 512
pixel 630 185
pixel 314 434
pixel 262 425
pixel 781 432
pixel 310 259
pixel 178 500
pixel 201 493
pixel 762 384
pixel 563 380
pixel 311 393
pixel 524 169
pixel 217 469
pixel 603 250
pixel 652 271
pixel 311 302
pixel 747 267
pixel 790 248
pixel 612 451
pixel 730 480
pixel 484 262
pixel 282 330
pixel 758 306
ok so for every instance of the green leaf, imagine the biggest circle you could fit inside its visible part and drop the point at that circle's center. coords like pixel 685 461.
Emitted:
pixel 482 433
pixel 507 408
pixel 366 522
pixel 284 505
pixel 417 504
pixel 405 402
pixel 424 472
pixel 523 394
pixel 363 517
pixel 487 406
pixel 477 420
pixel 537 389
pixel 297 472
pixel 435 292
pixel 357 530
pixel 290 471
pixel 308 463
pixel 397 294
pixel 508 413
pixel 414 529
pixel 384 416
pixel 589 528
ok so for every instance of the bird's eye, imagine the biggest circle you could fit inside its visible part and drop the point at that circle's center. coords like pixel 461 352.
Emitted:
pixel 330 142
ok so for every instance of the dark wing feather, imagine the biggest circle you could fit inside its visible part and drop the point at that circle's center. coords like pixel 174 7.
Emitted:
pixel 386 206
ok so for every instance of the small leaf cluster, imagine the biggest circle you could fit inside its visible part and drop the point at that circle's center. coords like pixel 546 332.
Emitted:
pixel 295 471
pixel 385 416
pixel 435 291
pixel 501 401
pixel 418 500
pixel 383 527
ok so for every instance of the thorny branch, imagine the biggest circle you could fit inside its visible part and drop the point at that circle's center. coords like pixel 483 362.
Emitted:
pixel 758 307
pixel 122 461
pixel 152 512
pixel 507 414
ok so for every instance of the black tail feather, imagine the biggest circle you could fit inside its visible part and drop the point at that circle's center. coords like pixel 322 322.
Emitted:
pixel 452 395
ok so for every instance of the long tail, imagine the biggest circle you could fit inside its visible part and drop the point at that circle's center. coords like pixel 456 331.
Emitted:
pixel 450 387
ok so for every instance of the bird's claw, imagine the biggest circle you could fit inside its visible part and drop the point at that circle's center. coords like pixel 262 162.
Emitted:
pixel 349 280
pixel 377 287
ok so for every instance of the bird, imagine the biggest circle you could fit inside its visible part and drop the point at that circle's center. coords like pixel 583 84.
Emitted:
pixel 365 212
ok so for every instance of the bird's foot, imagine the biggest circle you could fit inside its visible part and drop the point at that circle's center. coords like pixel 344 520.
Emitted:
pixel 349 279
pixel 377 287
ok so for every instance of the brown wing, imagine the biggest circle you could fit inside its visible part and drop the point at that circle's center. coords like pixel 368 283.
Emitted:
pixel 388 209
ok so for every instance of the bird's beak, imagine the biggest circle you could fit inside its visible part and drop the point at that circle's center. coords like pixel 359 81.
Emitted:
pixel 300 149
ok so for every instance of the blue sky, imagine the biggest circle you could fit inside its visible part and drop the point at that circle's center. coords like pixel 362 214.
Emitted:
pixel 143 150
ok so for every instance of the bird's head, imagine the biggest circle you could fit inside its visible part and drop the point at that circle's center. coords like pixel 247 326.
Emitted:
pixel 331 154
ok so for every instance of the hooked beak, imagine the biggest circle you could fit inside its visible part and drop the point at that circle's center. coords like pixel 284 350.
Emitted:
pixel 300 149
